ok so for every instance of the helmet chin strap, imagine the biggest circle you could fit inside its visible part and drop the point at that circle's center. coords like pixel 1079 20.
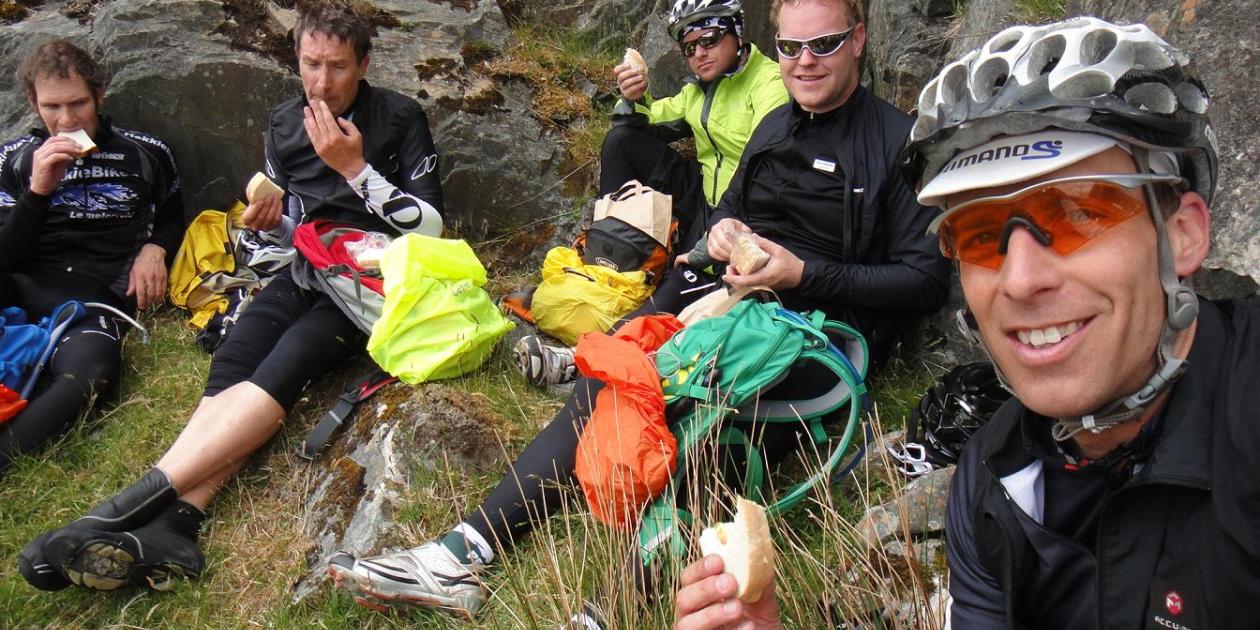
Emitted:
pixel 1182 309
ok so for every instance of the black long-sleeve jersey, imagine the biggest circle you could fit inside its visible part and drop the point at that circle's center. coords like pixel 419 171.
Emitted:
pixel 108 205
pixel 399 192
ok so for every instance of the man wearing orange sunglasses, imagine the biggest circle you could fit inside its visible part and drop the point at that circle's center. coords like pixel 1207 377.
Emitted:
pixel 1075 164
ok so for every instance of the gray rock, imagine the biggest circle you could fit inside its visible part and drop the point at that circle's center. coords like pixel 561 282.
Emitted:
pixel 903 49
pixel 1221 38
pixel 402 431
pixel 918 511
pixel 174 79
pixel 16 40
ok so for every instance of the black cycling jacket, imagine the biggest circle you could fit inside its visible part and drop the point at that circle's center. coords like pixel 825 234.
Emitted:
pixel 107 206
pixel 398 148
pixel 1177 544
pixel 868 258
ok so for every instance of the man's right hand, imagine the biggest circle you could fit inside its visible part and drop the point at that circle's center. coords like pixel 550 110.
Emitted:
pixel 632 83
pixel 50 163
pixel 264 214
pixel 707 601
pixel 720 242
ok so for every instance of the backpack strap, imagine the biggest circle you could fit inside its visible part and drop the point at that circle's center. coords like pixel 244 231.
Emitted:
pixel 342 412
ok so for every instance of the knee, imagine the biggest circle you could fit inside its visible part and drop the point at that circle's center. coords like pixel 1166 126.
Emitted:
pixel 615 141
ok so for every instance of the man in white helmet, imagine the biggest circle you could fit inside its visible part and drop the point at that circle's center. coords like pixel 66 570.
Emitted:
pixel 1075 165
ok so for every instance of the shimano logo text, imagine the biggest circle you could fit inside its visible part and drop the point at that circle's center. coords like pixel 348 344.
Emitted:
pixel 1036 151
pixel 1045 149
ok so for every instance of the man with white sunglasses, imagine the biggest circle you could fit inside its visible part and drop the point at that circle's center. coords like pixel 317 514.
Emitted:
pixel 1075 166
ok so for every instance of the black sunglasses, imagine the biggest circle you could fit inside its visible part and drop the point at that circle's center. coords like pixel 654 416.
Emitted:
pixel 706 41
pixel 820 46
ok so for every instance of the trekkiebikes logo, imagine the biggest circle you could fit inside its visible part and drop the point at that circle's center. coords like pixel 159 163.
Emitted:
pixel 1040 150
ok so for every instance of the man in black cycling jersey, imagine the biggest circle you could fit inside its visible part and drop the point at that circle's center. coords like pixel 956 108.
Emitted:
pixel 1075 164
pixel 97 228
pixel 819 185
pixel 344 151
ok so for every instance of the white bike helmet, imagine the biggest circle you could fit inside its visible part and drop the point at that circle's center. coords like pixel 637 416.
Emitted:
pixel 685 12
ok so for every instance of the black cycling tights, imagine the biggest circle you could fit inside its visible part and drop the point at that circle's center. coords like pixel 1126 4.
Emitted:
pixel 634 153
pixel 85 366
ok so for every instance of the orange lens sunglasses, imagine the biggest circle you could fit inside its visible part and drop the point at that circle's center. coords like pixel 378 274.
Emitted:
pixel 1062 214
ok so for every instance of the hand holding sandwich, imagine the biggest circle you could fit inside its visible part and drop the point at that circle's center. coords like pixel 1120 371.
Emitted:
pixel 336 140
pixel 50 163
pixel 631 75
pixel 707 600
pixel 782 270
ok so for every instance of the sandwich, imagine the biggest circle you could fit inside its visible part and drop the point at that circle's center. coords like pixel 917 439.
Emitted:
pixel 80 136
pixel 635 61
pixel 261 187
pixel 745 547
pixel 746 255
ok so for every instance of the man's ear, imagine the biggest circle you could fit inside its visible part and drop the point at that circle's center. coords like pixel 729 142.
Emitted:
pixel 363 65
pixel 1189 233
pixel 99 93
pixel 858 39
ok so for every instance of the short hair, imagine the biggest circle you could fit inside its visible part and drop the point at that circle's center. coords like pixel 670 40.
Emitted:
pixel 60 58
pixel 335 21
pixel 857 14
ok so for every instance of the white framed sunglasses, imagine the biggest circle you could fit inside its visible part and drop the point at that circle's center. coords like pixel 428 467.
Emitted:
pixel 820 46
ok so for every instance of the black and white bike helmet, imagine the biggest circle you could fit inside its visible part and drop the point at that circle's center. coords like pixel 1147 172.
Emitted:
pixel 1085 75
pixel 685 12
pixel 946 417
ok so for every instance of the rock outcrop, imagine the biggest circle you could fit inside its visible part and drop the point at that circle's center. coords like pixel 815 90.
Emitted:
pixel 400 434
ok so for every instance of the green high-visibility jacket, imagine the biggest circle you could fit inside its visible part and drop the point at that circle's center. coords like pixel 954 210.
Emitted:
pixel 721 116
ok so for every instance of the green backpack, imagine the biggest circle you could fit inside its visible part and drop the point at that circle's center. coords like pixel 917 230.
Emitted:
pixel 715 374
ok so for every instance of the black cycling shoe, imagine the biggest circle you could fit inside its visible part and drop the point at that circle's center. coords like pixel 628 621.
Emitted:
pixel 152 556
pixel 37 570
pixel 133 507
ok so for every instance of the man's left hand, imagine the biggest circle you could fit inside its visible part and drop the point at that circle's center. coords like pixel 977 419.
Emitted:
pixel 784 271
pixel 337 141
pixel 147 281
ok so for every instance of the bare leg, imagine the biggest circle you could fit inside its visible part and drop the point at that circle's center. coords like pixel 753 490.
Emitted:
pixel 202 495
pixel 222 432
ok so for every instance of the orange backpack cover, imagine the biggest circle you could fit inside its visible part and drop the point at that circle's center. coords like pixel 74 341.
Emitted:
pixel 626 453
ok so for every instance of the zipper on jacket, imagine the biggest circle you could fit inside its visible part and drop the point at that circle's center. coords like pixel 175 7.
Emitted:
pixel 709 94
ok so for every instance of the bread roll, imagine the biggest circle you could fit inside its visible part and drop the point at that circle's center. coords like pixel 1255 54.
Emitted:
pixel 746 255
pixel 261 187
pixel 746 549
pixel 635 61
pixel 80 136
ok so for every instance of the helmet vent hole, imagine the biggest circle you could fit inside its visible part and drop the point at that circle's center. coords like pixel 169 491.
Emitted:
pixel 1045 54
pixel 1096 46
pixel 1150 56
pixel 1006 40
pixel 923 126
pixel 927 100
pixel 954 84
pixel 989 78
pixel 1192 97
pixel 1152 97
pixel 1086 84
